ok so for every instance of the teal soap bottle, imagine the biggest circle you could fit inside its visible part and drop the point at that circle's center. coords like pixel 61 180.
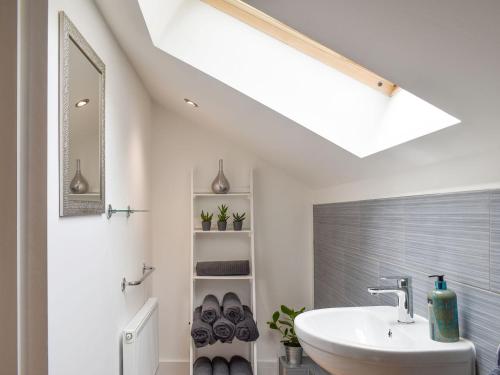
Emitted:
pixel 443 312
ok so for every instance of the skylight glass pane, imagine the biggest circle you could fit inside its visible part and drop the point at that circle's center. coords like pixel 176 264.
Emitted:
pixel 337 107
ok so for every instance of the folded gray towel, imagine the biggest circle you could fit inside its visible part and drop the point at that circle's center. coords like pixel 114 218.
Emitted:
pixel 232 308
pixel 246 330
pixel 201 332
pixel 202 366
pixel 220 366
pixel 240 366
pixel 224 330
pixel 210 309
pixel 223 268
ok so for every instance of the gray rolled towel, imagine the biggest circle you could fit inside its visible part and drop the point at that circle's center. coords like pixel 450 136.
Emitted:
pixel 246 330
pixel 223 268
pixel 224 330
pixel 220 366
pixel 232 308
pixel 202 366
pixel 240 366
pixel 210 309
pixel 201 332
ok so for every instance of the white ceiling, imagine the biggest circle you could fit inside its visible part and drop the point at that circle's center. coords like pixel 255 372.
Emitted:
pixel 446 52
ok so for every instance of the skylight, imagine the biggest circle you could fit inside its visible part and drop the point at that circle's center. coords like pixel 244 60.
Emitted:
pixel 354 109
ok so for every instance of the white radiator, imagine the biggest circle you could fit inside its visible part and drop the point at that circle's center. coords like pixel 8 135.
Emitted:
pixel 140 341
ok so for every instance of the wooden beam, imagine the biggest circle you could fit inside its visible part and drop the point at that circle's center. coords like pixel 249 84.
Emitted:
pixel 278 30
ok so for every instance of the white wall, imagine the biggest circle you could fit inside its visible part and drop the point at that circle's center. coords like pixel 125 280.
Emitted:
pixel 88 256
pixel 283 235
pixel 474 172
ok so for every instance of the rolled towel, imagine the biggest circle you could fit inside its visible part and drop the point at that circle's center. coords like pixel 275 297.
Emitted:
pixel 201 332
pixel 210 309
pixel 232 308
pixel 220 366
pixel 202 366
pixel 246 330
pixel 224 329
pixel 240 366
pixel 223 268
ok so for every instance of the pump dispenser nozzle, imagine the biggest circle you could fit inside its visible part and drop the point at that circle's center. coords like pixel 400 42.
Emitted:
pixel 439 283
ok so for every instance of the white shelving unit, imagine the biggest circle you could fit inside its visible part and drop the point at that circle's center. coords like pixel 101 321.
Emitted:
pixel 223 245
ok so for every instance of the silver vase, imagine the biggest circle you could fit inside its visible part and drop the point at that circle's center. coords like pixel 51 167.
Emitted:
pixel 79 184
pixel 220 184
pixel 293 355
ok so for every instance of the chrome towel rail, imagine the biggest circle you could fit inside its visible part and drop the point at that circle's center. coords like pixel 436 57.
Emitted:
pixel 111 211
pixel 146 271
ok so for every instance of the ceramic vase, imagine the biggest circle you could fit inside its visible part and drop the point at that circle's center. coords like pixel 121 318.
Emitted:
pixel 79 184
pixel 220 185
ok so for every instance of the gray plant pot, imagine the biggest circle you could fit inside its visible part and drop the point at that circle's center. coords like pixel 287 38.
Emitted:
pixel 206 225
pixel 293 355
pixel 222 225
pixel 237 225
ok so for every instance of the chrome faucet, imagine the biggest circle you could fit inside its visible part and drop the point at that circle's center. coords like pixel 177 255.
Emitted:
pixel 403 291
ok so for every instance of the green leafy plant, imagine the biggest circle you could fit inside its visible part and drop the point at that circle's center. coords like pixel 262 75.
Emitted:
pixel 206 216
pixel 222 215
pixel 237 217
pixel 284 322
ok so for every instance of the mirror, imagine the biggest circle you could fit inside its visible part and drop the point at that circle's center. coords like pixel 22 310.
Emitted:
pixel 81 124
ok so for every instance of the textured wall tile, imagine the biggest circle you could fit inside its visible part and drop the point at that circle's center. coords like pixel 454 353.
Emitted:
pixel 449 234
pixel 495 242
pixel 382 229
pixel 479 312
pixel 456 234
pixel 360 273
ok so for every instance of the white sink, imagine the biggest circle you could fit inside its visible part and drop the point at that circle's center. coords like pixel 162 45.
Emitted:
pixel 356 341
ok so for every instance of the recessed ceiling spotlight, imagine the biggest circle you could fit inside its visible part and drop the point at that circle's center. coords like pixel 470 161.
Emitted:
pixel 190 102
pixel 82 103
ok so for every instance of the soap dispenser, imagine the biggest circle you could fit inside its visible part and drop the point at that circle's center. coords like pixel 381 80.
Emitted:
pixel 443 313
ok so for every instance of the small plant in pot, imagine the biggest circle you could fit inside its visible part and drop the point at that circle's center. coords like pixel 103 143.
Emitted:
pixel 206 220
pixel 284 322
pixel 238 221
pixel 222 217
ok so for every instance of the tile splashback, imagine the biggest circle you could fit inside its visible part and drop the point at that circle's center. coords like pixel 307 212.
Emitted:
pixel 457 234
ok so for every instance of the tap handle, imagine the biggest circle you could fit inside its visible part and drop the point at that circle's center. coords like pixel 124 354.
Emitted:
pixel 403 281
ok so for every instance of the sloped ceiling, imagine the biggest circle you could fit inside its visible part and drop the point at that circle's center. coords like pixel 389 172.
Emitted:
pixel 446 52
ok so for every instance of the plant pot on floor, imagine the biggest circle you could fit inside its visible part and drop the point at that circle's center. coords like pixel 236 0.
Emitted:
pixel 222 225
pixel 237 225
pixel 293 355
pixel 206 225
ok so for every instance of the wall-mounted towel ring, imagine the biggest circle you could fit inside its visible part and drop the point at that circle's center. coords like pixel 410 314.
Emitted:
pixel 111 211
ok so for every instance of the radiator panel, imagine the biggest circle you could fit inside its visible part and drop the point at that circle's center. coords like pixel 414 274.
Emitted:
pixel 140 341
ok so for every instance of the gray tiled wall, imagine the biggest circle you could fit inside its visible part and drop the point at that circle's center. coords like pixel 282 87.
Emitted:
pixel 455 234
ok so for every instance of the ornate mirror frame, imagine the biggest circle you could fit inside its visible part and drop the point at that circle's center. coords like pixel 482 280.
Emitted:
pixel 84 205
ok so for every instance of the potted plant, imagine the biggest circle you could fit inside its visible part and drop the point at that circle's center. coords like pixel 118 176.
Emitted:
pixel 238 221
pixel 222 217
pixel 285 323
pixel 206 220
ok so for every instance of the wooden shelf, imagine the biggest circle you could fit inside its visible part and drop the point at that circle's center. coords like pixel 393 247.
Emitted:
pixel 219 245
pixel 245 277
pixel 197 231
pixel 213 195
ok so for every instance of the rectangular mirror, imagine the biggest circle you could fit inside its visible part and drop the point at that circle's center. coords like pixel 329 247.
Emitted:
pixel 81 124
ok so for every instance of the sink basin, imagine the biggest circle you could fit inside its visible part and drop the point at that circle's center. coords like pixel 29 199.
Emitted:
pixel 369 340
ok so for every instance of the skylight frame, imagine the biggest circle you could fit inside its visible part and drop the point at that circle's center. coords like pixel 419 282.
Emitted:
pixel 282 32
